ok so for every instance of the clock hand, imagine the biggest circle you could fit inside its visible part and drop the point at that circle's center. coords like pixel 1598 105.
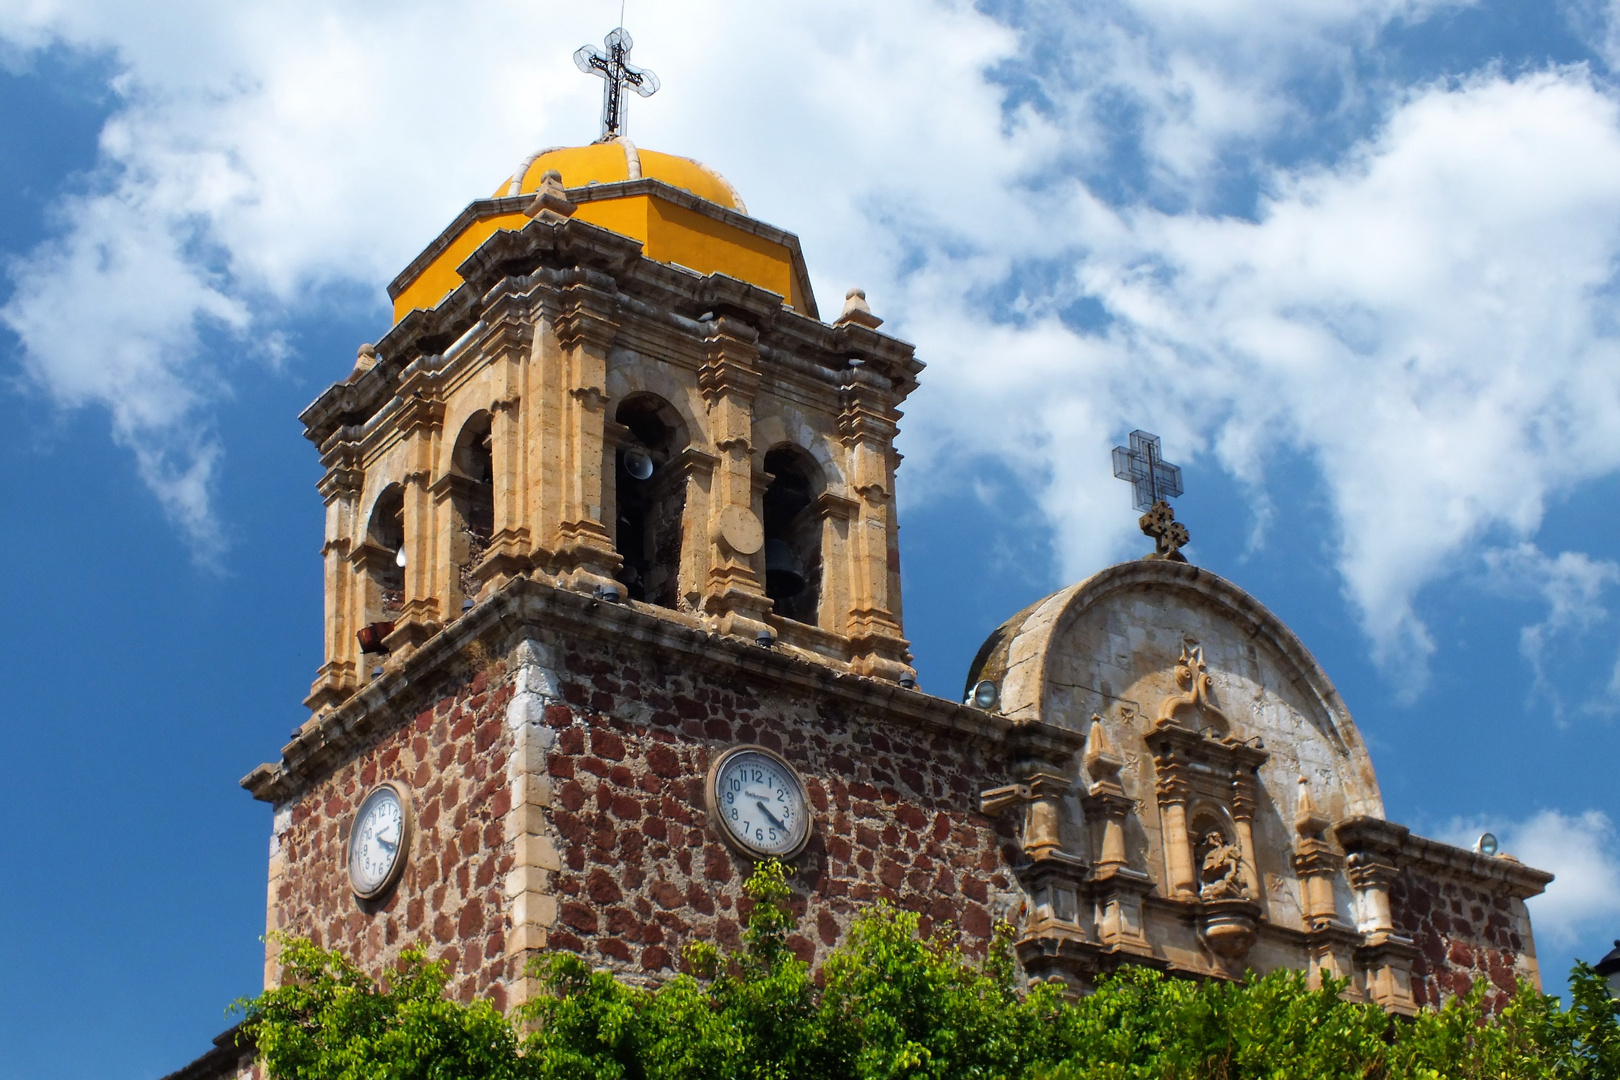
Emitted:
pixel 769 815
pixel 391 845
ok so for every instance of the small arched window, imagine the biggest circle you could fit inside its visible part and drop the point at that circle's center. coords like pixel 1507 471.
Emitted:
pixel 650 498
pixel 793 534
pixel 473 498
pixel 386 536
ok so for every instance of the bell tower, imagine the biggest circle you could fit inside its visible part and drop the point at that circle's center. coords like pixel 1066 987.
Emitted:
pixel 610 379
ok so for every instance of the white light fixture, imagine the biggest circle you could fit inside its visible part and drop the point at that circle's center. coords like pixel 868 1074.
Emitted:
pixel 399 559
pixel 1486 844
pixel 984 695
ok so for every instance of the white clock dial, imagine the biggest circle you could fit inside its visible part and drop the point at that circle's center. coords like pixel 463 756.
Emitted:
pixel 377 843
pixel 759 803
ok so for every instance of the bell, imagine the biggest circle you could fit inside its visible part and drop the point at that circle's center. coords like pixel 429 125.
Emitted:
pixel 784 574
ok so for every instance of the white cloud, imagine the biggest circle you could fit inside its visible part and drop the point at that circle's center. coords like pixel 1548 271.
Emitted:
pixel 1571 584
pixel 1583 900
pixel 1422 315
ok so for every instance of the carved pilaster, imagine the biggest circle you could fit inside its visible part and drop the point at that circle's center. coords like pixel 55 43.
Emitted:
pixel 733 590
pixel 586 328
pixel 1242 806
pixel 866 424
pixel 1384 955
pixel 1173 789
pixel 340 489
pixel 421 422
pixel 1055 942
pixel 508 345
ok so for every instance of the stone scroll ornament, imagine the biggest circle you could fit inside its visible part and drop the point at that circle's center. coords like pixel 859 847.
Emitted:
pixel 1193 685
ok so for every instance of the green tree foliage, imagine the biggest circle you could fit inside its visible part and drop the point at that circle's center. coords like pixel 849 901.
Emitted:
pixel 893 1004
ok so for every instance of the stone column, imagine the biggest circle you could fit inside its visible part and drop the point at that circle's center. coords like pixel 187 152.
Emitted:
pixel 1243 802
pixel 837 517
pixel 421 421
pixel 1172 788
pixel 733 591
pixel 340 488
pixel 585 555
pixel 508 346
pixel 1118 890
pixel 695 469
pixel 1384 955
pixel 867 427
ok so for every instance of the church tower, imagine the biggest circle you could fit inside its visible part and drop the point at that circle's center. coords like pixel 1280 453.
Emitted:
pixel 610 526
pixel 609 378
pixel 613 612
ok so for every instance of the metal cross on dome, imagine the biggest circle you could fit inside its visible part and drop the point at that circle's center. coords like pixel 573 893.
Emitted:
pixel 614 68
pixel 1153 481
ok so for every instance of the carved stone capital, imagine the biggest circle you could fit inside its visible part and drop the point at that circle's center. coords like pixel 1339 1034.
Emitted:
pixel 592 397
pixel 586 319
pixel 1367 870
pixel 1316 858
pixel 835 507
pixel 421 413
pixel 341 481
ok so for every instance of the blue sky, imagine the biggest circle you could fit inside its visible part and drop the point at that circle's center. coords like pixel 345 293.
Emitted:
pixel 1353 259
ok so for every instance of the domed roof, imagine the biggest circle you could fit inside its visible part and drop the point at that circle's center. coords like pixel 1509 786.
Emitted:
pixel 618 160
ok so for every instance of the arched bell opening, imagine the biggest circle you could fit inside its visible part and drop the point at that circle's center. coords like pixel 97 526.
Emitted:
pixel 650 499
pixel 383 561
pixel 793 534
pixel 473 499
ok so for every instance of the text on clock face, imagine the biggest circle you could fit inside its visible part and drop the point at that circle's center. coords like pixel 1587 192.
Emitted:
pixel 759 804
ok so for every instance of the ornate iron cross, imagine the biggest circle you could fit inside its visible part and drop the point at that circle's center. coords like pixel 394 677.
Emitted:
pixel 614 68
pixel 1153 480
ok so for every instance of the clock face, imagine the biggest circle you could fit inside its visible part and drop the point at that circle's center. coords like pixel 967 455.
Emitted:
pixel 759 803
pixel 377 842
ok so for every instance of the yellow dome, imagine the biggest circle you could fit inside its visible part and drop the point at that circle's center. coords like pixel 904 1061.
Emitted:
pixel 611 162
pixel 708 233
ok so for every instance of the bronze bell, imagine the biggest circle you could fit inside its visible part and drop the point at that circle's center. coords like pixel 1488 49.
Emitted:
pixel 784 573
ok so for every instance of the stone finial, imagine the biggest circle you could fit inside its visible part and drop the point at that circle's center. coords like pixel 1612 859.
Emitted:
pixel 551 198
pixel 1169 535
pixel 364 361
pixel 857 311
pixel 1101 760
pixel 1309 822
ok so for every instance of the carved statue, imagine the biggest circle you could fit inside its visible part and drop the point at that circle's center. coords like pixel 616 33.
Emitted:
pixel 1222 870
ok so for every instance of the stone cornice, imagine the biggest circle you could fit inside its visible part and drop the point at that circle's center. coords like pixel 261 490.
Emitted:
pixel 524 606
pixel 1397 843
pixel 546 256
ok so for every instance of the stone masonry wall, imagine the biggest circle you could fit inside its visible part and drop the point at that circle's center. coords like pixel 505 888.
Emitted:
pixel 640 871
pixel 643 871
pixel 452 758
pixel 1463 934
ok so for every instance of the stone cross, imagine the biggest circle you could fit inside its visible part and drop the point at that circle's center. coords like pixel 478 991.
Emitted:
pixel 614 68
pixel 1153 480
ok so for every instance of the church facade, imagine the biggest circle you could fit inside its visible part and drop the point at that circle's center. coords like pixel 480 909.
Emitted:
pixel 613 610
